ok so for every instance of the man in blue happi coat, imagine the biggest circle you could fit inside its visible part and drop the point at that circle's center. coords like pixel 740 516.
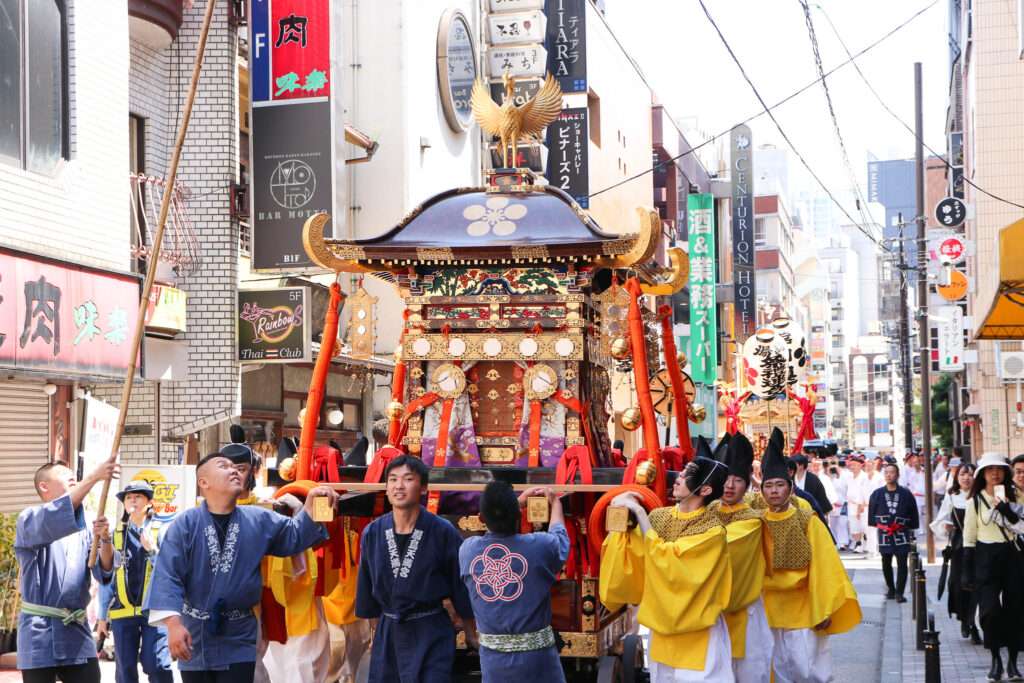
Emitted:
pixel 509 577
pixel 892 510
pixel 52 543
pixel 408 566
pixel 207 577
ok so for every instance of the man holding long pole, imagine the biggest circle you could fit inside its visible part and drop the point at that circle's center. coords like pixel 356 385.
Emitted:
pixel 51 544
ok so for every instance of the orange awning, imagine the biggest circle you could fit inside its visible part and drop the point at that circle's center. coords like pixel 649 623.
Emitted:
pixel 1005 319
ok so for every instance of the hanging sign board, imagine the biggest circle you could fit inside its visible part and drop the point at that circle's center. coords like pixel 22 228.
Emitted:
pixel 567 43
pixel 951 339
pixel 297 127
pixel 951 212
pixel 517 27
pixel 956 289
pixel 273 326
pixel 568 154
pixel 951 250
pixel 743 268
pixel 703 309
pixel 528 60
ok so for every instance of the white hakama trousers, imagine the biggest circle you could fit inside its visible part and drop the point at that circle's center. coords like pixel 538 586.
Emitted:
pixel 801 656
pixel 840 526
pixel 717 662
pixel 303 659
pixel 756 664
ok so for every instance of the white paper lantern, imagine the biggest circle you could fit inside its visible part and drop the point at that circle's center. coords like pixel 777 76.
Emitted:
pixel 764 363
pixel 795 342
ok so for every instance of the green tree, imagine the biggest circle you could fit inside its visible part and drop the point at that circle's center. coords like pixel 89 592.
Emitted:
pixel 942 423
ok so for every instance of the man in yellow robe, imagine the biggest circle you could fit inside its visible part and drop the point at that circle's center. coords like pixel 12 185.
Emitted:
pixel 675 566
pixel 749 633
pixel 807 592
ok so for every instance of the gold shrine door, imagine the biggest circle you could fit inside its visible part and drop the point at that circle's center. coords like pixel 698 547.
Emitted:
pixel 496 398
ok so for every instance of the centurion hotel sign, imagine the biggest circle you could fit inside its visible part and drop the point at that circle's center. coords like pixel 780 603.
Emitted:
pixel 743 268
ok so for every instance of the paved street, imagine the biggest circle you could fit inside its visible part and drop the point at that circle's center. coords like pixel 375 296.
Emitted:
pixel 883 647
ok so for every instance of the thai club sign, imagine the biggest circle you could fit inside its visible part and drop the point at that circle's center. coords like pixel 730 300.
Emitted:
pixel 703 312
pixel 273 326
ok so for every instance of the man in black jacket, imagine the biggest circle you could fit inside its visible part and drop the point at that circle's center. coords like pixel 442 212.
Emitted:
pixel 809 482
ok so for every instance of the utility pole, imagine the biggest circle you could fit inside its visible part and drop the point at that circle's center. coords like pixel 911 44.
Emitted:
pixel 904 339
pixel 922 304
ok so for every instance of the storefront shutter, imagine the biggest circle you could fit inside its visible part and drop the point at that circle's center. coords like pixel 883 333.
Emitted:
pixel 24 441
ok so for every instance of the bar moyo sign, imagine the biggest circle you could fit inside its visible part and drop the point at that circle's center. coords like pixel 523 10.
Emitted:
pixel 272 326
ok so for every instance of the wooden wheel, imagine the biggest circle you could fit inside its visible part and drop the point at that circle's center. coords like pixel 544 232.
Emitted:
pixel 632 659
pixel 609 670
pixel 661 391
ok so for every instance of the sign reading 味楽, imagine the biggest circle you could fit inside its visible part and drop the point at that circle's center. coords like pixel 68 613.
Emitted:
pixel 64 318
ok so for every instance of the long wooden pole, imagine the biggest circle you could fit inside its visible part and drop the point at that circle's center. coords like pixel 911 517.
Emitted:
pixel 154 257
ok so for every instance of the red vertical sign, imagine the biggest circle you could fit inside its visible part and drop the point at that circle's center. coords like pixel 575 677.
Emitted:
pixel 300 51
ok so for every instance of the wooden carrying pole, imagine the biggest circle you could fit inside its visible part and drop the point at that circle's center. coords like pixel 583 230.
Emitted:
pixel 154 257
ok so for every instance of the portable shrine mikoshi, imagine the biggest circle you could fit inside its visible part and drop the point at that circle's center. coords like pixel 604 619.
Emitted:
pixel 518 310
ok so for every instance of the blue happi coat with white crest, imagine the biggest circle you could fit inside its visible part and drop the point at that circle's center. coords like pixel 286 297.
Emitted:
pixel 509 578
pixel 197 577
pixel 415 640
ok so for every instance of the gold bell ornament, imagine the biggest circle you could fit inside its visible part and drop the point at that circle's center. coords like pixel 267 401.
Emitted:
pixel 681 359
pixel 620 348
pixel 646 472
pixel 395 410
pixel 697 414
pixel 286 469
pixel 398 353
pixel 631 419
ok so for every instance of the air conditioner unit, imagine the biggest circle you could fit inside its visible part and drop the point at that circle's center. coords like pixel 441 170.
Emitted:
pixel 1011 365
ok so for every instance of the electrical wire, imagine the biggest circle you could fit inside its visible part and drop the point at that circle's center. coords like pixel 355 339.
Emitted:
pixel 859 198
pixel 766 110
pixel 902 122
pixel 881 246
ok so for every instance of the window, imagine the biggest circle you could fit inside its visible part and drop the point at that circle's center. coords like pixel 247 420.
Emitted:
pixel 861 426
pixel 594 113
pixel 33 79
pixel 136 165
pixel 760 233
pixel 881 425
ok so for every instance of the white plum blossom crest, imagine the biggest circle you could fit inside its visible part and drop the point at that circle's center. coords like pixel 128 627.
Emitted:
pixel 496 215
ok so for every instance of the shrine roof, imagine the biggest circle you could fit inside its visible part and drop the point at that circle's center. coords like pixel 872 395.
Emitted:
pixel 487 224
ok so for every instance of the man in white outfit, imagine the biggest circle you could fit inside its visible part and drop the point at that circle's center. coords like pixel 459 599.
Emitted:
pixel 839 517
pixel 857 502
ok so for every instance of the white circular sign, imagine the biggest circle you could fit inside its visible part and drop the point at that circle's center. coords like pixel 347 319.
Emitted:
pixel 361 313
pixel 492 347
pixel 564 347
pixel 421 347
pixel 456 347
pixel 528 347
pixel 361 329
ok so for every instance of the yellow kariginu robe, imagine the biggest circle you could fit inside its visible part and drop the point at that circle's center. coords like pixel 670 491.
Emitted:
pixel 678 573
pixel 744 533
pixel 806 582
